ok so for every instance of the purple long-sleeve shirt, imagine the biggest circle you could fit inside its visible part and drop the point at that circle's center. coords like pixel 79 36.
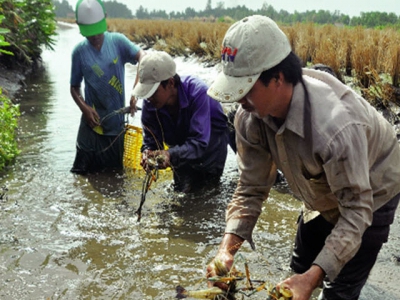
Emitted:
pixel 198 137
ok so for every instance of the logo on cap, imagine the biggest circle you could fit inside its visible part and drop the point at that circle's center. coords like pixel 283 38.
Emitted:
pixel 228 54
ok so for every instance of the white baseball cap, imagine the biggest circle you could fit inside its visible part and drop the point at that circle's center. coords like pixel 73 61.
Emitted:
pixel 154 67
pixel 90 17
pixel 250 46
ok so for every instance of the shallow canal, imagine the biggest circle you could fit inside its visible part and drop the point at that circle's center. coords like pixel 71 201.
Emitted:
pixel 66 236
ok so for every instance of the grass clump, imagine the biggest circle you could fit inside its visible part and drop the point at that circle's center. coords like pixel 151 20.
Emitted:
pixel 9 114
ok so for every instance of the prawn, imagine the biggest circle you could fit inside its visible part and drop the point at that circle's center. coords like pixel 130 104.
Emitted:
pixel 151 175
pixel 281 293
pixel 227 279
pixel 210 293
pixel 122 111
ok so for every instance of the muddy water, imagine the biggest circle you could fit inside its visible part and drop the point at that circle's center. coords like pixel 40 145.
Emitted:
pixel 66 236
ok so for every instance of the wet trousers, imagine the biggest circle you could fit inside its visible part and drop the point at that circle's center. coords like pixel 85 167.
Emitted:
pixel 96 153
pixel 347 285
pixel 206 171
pixel 187 179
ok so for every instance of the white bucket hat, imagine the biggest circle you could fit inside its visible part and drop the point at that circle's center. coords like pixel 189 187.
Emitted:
pixel 153 68
pixel 250 46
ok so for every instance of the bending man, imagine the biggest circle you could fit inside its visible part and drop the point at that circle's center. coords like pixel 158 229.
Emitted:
pixel 339 156
pixel 178 112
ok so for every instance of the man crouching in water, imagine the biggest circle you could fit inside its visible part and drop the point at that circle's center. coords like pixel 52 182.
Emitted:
pixel 339 156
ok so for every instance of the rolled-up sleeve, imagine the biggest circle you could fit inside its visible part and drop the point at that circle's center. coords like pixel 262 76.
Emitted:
pixel 257 175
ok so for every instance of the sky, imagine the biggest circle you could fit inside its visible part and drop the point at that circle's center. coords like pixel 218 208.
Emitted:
pixel 347 7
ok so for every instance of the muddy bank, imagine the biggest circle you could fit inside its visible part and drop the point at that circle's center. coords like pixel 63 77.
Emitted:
pixel 12 80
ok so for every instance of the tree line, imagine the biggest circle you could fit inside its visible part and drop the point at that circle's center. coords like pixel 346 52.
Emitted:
pixel 220 13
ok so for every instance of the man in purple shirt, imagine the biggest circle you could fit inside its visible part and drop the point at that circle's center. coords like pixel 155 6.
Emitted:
pixel 178 112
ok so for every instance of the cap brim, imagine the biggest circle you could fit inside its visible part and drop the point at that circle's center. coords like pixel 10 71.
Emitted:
pixel 145 90
pixel 93 29
pixel 231 89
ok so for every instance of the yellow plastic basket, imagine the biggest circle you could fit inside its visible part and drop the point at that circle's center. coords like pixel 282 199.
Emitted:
pixel 133 141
